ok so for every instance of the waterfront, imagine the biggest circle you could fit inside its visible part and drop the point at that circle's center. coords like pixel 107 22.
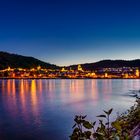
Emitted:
pixel 71 73
pixel 44 109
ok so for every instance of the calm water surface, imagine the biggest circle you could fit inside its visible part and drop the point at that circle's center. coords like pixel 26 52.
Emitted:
pixel 44 109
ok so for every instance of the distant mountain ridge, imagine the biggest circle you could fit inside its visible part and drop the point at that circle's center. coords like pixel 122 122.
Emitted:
pixel 109 64
pixel 16 61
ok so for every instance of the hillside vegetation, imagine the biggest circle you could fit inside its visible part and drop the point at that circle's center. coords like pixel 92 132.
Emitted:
pixel 16 61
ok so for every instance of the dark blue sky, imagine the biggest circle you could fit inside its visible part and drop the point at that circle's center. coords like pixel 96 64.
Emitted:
pixel 67 32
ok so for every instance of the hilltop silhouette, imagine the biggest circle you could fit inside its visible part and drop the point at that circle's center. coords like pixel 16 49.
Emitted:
pixel 16 61
pixel 108 64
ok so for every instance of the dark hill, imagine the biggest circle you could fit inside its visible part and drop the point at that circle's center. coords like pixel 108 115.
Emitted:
pixel 15 61
pixel 109 64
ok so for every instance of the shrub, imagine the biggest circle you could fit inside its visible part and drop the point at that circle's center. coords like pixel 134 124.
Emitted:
pixel 120 129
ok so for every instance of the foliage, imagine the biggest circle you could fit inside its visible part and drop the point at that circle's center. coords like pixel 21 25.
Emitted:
pixel 120 129
pixel 16 61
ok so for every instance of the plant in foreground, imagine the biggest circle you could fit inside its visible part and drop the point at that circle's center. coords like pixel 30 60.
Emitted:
pixel 120 129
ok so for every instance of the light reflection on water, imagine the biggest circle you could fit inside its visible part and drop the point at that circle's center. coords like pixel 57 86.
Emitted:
pixel 36 109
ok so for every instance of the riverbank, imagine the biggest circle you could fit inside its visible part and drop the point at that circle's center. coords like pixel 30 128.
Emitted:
pixel 59 78
pixel 130 122
pixel 125 127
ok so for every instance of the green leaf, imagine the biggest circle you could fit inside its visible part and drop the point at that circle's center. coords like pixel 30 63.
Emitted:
pixel 98 136
pixel 103 116
pixel 105 112
pixel 83 117
pixel 76 130
pixel 101 121
pixel 110 111
pixel 78 121
pixel 73 137
pixel 88 134
pixel 102 126
pixel 74 125
pixel 107 123
pixel 116 125
pixel 94 123
pixel 87 125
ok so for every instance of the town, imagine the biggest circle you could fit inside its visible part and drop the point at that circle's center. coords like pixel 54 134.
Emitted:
pixel 69 73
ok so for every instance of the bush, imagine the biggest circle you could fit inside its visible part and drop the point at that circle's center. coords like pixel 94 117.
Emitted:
pixel 121 129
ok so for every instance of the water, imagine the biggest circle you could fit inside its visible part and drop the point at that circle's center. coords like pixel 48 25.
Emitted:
pixel 44 109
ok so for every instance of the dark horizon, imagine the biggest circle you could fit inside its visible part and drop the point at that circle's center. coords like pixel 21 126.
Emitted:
pixel 71 64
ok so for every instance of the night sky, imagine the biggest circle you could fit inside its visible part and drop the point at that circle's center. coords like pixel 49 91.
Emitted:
pixel 65 32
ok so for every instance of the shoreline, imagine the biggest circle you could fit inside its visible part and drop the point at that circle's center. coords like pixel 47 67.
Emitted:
pixel 5 78
pixel 125 127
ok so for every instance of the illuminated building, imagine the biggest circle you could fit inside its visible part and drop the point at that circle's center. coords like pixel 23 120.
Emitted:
pixel 63 69
pixel 126 75
pixel 106 75
pixel 38 72
pixel 137 73
pixel 80 68
pixel 93 74
pixel 8 68
pixel 39 67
